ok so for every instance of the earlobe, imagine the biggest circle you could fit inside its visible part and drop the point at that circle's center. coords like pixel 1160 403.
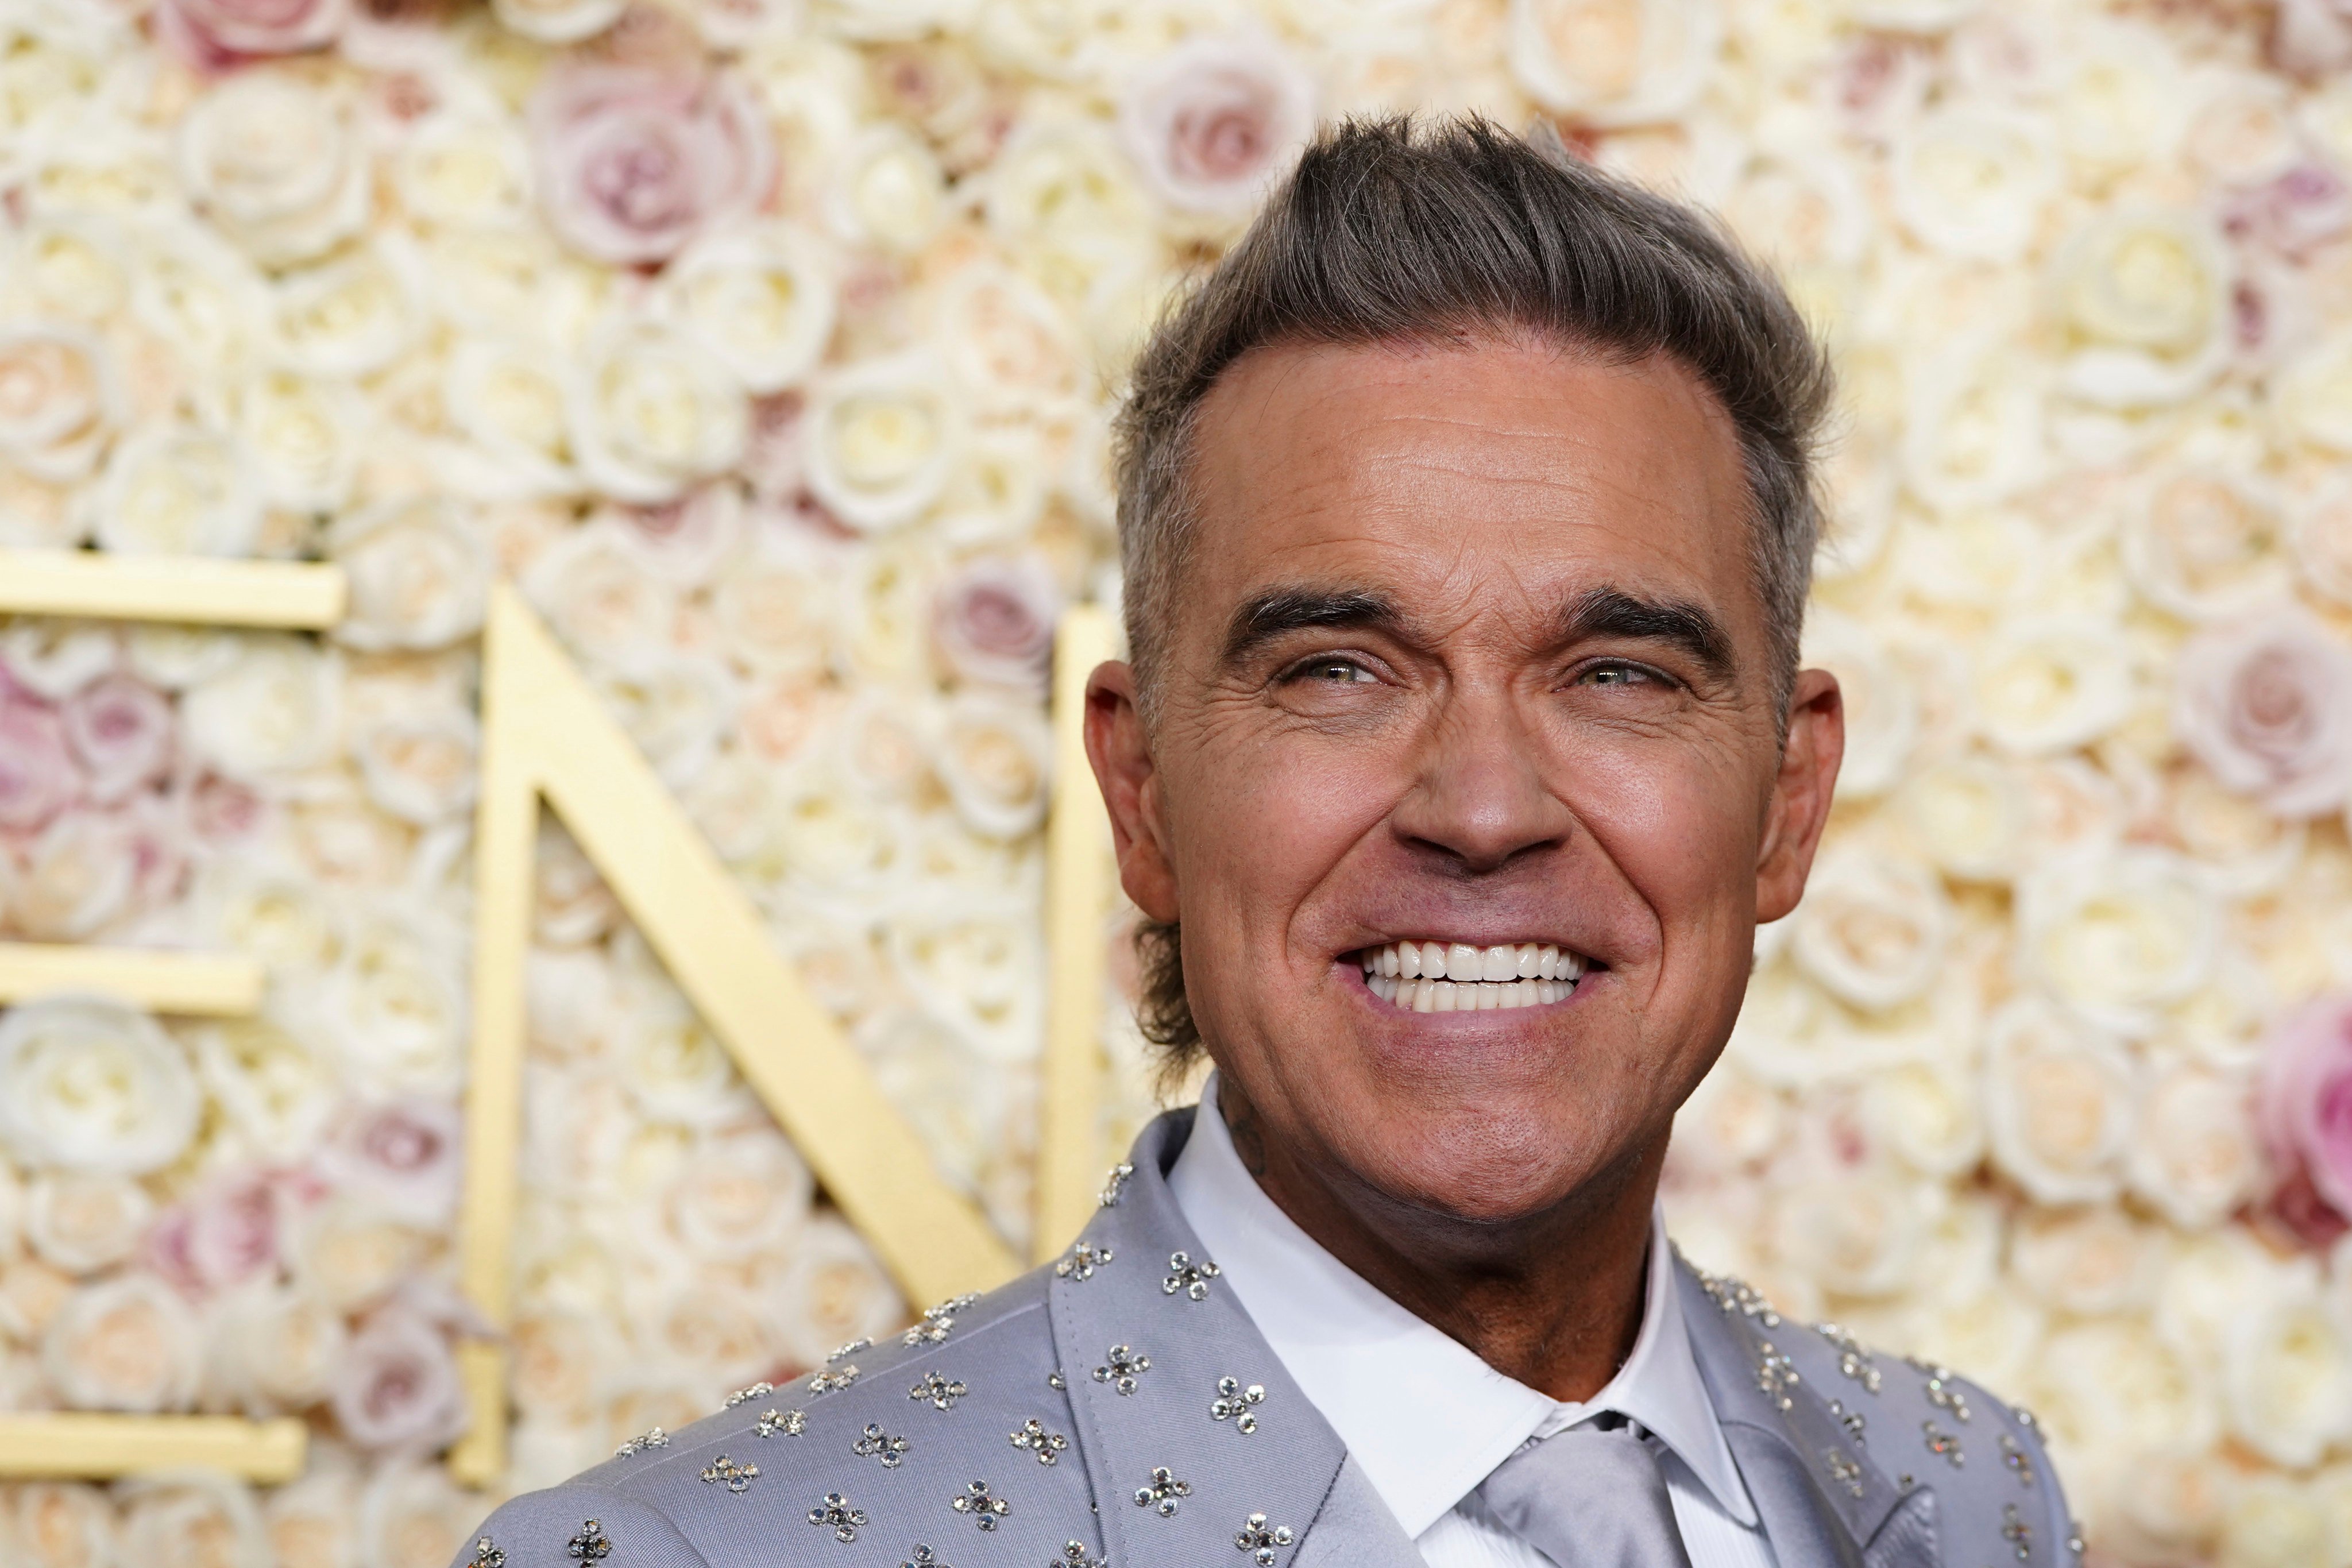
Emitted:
pixel 1801 790
pixel 1119 749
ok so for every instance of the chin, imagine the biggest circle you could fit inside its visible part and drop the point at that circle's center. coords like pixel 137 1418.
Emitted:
pixel 1491 1165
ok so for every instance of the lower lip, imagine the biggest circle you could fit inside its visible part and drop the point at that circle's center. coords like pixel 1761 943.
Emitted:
pixel 1354 975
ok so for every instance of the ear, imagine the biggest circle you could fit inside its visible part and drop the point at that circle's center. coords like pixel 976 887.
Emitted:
pixel 1800 806
pixel 1121 751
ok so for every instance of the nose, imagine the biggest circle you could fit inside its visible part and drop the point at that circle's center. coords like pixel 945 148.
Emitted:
pixel 1479 799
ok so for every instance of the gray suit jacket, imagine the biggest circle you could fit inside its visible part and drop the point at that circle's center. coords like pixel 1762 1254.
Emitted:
pixel 1119 1406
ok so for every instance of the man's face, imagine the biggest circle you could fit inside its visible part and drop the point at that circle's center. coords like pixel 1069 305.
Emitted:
pixel 1469 654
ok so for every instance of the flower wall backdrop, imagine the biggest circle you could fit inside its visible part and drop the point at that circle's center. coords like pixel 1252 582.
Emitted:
pixel 768 346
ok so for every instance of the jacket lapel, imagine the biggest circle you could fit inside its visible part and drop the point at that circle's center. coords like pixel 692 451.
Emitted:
pixel 1153 1429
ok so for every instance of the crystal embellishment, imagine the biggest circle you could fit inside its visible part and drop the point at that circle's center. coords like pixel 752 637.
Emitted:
pixel 837 1514
pixel 875 1443
pixel 1853 1361
pixel 1738 1296
pixel 1260 1540
pixel 790 1423
pixel 1189 1276
pixel 937 1390
pixel 2016 1531
pixel 1121 1368
pixel 1084 1259
pixel 825 1382
pixel 738 1478
pixel 590 1545
pixel 486 1554
pixel 1844 1469
pixel 745 1396
pixel 1850 1420
pixel 846 1352
pixel 1944 1446
pixel 1034 1438
pixel 939 1322
pixel 1164 1494
pixel 1115 1184
pixel 1076 1555
pixel 2019 1462
pixel 1775 1375
pixel 924 1557
pixel 1235 1404
pixel 984 1506
pixel 654 1439
pixel 1944 1390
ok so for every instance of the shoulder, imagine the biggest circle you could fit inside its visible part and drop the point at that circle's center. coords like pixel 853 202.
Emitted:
pixel 1923 1427
pixel 958 1426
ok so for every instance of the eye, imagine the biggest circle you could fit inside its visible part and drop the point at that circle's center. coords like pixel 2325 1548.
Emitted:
pixel 1616 673
pixel 1334 671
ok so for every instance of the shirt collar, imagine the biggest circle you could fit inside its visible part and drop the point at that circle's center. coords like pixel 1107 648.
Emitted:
pixel 1419 1411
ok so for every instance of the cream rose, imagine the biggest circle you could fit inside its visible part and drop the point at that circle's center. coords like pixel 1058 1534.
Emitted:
pixel 93 1085
pixel 272 1087
pixel 743 1195
pixel 891 192
pixel 303 434
pixel 2118 936
pixel 634 162
pixel 276 164
pixel 593 585
pixel 420 767
pixel 83 1222
pixel 126 1343
pixel 411 1515
pixel 1849 1235
pixel 882 438
pixel 216 33
pixel 60 401
pixel 1967 817
pixel 981 974
pixel 1613 62
pixel 689 540
pixel 994 758
pixel 2287 1379
pixel 351 316
pixel 2086 1261
pixel 2207 544
pixel 1872 932
pixel 176 491
pixel 2194 1157
pixel 60 1524
pixel 2058 1101
pixel 652 411
pixel 1216 119
pixel 559 21
pixel 276 709
pixel 2146 292
pixel 1976 430
pixel 675 1066
pixel 2049 683
pixel 1974 180
pixel 776 607
pixel 676 708
pixel 394 1007
pixel 2267 706
pixel 1925 1117
pixel 833 1292
pixel 1881 704
pixel 760 299
pixel 464 165
pixel 74 878
pixel 273 1349
pixel 419 574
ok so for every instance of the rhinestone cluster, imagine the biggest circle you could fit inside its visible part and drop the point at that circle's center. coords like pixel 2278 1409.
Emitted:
pixel 1084 1259
pixel 790 1423
pixel 738 1478
pixel 745 1396
pixel 1033 1437
pixel 654 1439
pixel 1189 1276
pixel 1259 1539
pixel 1844 1469
pixel 590 1545
pixel 1775 1375
pixel 1115 1184
pixel 1164 1494
pixel 832 1382
pixel 875 1443
pixel 1853 1361
pixel 837 1514
pixel 1234 1403
pixel 939 1322
pixel 984 1506
pixel 486 1554
pixel 937 1390
pixel 1122 1366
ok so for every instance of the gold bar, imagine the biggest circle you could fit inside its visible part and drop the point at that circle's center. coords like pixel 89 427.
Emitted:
pixel 79 1445
pixel 202 590
pixel 225 986
pixel 1078 896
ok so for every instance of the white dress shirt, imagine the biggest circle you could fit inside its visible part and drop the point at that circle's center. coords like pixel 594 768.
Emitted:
pixel 1425 1418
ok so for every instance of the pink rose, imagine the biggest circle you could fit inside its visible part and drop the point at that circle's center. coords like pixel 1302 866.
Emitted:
pixel 686 540
pixel 214 33
pixel 632 164
pixel 2294 214
pixel 2266 705
pixel 37 775
pixel 2311 38
pixel 1212 122
pixel 2306 1108
pixel 396 1389
pixel 993 621
pixel 224 812
pixel 121 728
pixel 401 1154
pixel 225 1233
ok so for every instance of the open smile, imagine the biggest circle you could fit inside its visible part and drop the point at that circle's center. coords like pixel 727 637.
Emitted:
pixel 1430 976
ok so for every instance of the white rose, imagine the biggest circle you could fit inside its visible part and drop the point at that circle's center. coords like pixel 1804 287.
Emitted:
pixel 571 905
pixel 2242 846
pixel 74 266
pixel 394 1008
pixel 276 164
pixel 2119 98
pixel 55 658
pixel 775 608
pixel 2058 1104
pixel 1783 1034
pixel 274 914
pixel 1008 344
pixel 1731 1121
pixel 2101 1385
pixel 1967 815
pixel 834 838
pixel 873 21
pixel 351 316
pixel 271 1086
pixel 1882 705
pixel 559 21
pixel 2242 130
pixel 2287 1379
pixel 2272 1521
pixel 411 1515
pixel 2195 1158
pixel 981 972
pixel 420 767
pixel 560 1363
pixel 273 1349
pixel 177 657
pixel 2145 292
pixel 1974 181
pixel 276 709
pixel 676 708
pixel 652 412
pixel 882 436
pixel 1996 1333
pixel 93 1085
pixel 1924 17
pixel 2322 536
pixel 2117 936
pixel 304 436
pixel 833 1292
pixel 173 490
pixel 1925 1117
pixel 83 1222
pixel 76 877
pixel 464 165
pixel 2205 544
pixel 95 161
pixel 2086 1261
pixel 2050 683
pixel 1613 62
pixel 511 399
pixel 888 192
pixel 1872 932
pixel 597 595
pixel 675 1066
pixel 310 1521
pixel 2311 396
pixel 60 1524
pixel 994 754
pixel 350 1254
pixel 419 572
pixel 194 291
pixel 126 1343
pixel 1975 433
pixel 1801 205
pixel 760 298
pixel 883 625
pixel 1851 1235
pixel 60 400
pixel 512 281
pixel 35 515
pixel 1062 176
pixel 744 1194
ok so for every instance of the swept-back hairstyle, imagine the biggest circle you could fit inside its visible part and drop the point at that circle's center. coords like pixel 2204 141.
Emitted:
pixel 1394 231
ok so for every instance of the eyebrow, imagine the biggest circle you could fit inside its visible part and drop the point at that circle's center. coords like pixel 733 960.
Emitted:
pixel 1614 613
pixel 1277 612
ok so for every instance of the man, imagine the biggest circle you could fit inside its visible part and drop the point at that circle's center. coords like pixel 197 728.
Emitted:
pixel 1466 520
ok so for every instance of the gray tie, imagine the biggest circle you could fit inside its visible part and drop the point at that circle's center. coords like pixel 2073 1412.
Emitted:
pixel 1589 1498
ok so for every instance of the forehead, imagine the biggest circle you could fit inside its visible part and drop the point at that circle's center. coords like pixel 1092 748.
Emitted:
pixel 1489 475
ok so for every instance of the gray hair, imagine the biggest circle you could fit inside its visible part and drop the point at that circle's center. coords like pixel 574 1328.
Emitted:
pixel 1392 232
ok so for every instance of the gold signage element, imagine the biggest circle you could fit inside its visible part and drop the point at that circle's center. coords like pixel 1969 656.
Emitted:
pixel 198 590
pixel 213 984
pixel 545 734
pixel 74 1443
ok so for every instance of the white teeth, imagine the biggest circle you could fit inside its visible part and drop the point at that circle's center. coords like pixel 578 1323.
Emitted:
pixel 1459 977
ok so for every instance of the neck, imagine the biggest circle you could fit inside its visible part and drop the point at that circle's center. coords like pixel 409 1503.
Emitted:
pixel 1552 1300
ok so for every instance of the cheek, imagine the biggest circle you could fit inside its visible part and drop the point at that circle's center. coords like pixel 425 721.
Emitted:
pixel 1260 820
pixel 1679 823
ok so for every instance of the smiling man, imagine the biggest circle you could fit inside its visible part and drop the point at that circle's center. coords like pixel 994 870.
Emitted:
pixel 1467 521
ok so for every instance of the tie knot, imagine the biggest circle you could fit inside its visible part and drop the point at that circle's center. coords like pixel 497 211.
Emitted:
pixel 1591 1497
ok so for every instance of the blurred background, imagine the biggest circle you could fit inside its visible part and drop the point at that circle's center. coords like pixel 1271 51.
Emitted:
pixel 768 346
